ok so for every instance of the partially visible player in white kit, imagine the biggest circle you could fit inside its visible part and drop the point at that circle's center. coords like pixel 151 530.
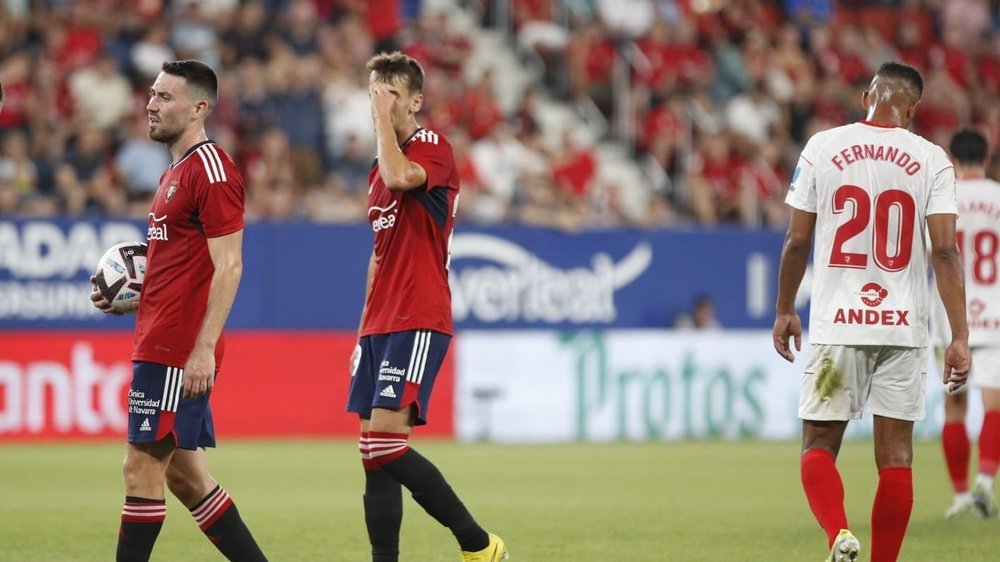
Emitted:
pixel 870 191
pixel 979 241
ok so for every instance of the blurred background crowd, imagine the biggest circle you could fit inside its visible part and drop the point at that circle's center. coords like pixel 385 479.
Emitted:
pixel 567 113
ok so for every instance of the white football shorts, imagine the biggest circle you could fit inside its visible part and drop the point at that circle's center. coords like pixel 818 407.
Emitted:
pixel 985 370
pixel 841 381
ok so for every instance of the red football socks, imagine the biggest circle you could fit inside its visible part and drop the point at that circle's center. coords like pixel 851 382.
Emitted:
pixel 824 490
pixel 989 443
pixel 891 512
pixel 955 442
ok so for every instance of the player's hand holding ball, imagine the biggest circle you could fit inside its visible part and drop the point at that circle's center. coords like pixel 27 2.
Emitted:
pixel 118 281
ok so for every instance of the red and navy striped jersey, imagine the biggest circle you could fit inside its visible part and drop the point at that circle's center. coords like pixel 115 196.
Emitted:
pixel 412 242
pixel 201 196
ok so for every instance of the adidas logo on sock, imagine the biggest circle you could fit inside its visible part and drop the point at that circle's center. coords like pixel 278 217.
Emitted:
pixel 145 425
pixel 388 392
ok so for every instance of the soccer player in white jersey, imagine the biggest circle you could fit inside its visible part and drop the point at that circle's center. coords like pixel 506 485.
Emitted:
pixel 869 191
pixel 979 241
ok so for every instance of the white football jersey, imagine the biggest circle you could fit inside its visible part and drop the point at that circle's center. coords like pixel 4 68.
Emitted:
pixel 871 189
pixel 978 233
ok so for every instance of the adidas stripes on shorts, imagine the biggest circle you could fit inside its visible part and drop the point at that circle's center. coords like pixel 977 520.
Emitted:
pixel 156 409
pixel 396 370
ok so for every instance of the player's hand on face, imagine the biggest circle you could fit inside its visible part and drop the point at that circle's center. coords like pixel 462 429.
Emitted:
pixel 98 299
pixel 957 362
pixel 382 100
pixel 199 373
pixel 787 327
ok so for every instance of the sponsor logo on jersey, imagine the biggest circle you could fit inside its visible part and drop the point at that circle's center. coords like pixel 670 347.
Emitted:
pixel 979 319
pixel 865 317
pixel 145 425
pixel 157 231
pixel 383 217
pixel 872 294
pixel 388 392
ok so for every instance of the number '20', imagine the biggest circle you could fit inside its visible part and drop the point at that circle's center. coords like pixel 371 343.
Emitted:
pixel 884 206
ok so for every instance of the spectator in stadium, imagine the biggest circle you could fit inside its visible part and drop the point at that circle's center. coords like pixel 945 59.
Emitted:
pixel 805 72
pixel 139 162
pixel 194 269
pixel 863 354
pixel 8 195
pixel 406 322
pixel 976 194
pixel 102 95
pixel 16 163
pixel 700 317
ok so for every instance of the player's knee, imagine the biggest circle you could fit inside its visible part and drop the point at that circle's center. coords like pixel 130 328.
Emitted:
pixel 182 483
pixel 894 458
pixel 142 474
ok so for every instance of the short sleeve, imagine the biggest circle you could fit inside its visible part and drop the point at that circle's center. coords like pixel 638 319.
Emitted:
pixel 802 191
pixel 943 198
pixel 221 202
pixel 434 156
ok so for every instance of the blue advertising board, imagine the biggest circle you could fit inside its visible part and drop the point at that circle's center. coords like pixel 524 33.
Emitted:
pixel 310 276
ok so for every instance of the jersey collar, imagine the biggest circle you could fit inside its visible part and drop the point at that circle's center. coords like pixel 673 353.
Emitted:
pixel 870 124
pixel 189 152
pixel 410 138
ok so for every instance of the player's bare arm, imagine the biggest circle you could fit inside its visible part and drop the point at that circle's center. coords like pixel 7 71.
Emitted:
pixel 794 258
pixel 397 171
pixel 947 265
pixel 227 257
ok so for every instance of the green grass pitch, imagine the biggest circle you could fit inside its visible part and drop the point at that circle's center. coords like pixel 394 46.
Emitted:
pixel 692 501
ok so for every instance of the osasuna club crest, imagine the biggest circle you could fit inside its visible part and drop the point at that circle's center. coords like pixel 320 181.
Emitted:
pixel 170 191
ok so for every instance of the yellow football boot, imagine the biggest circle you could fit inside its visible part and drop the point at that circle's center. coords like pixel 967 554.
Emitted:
pixel 494 552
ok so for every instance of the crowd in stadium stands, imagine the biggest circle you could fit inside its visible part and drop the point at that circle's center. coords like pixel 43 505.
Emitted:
pixel 722 93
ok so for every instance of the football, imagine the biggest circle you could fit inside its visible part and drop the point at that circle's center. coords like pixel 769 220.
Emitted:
pixel 119 275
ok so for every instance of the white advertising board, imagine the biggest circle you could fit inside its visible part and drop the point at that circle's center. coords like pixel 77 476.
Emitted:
pixel 636 385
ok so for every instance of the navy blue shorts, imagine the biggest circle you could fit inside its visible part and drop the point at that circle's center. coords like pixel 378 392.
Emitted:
pixel 157 410
pixel 397 370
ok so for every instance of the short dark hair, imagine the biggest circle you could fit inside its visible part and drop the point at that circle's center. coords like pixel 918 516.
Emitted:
pixel 389 66
pixel 905 73
pixel 969 147
pixel 198 75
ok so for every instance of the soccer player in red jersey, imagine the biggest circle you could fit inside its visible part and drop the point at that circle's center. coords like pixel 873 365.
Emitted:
pixel 194 264
pixel 406 323
pixel 870 190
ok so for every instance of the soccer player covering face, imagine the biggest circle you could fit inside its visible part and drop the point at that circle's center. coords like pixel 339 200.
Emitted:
pixel 979 242
pixel 406 322
pixel 870 191
pixel 194 265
